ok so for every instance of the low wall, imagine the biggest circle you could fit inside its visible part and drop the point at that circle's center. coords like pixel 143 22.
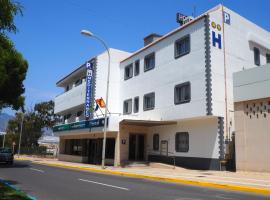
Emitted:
pixel 72 158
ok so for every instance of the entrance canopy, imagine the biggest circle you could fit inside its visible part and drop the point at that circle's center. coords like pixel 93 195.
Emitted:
pixel 148 123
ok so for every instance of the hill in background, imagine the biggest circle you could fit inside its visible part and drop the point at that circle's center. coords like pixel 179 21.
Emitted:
pixel 4 118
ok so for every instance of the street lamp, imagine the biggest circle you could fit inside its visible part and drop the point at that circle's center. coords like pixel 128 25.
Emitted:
pixel 90 34
pixel 20 139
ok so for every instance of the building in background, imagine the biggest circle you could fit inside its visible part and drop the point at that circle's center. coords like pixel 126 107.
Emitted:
pixel 174 95
pixel 252 119
pixel 81 137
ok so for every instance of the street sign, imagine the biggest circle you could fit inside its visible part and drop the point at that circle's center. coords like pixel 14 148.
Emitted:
pixel 3 133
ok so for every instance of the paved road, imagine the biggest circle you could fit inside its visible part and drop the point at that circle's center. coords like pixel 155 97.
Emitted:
pixel 54 183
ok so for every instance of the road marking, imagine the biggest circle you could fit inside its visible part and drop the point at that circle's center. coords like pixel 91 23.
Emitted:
pixel 38 170
pixel 121 188
pixel 221 196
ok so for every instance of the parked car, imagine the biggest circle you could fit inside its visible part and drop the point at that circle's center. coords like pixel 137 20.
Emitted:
pixel 6 155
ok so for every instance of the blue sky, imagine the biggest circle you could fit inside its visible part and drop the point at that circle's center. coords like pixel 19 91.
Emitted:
pixel 49 32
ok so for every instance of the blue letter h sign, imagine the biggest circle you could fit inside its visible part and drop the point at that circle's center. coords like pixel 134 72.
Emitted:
pixel 216 39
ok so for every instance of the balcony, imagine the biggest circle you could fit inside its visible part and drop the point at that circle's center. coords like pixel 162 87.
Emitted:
pixel 93 123
pixel 70 99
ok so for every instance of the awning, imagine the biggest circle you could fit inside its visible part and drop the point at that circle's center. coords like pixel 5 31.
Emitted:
pixel 148 123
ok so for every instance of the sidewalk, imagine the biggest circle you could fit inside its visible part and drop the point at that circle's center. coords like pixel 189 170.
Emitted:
pixel 240 181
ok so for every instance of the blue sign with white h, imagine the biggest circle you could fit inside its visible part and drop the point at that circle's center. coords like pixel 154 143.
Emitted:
pixel 88 94
pixel 226 18
pixel 216 39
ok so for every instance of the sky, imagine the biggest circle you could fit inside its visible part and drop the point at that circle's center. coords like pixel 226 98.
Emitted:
pixel 49 32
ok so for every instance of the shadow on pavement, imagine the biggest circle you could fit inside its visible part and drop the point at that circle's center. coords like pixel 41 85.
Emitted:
pixel 16 164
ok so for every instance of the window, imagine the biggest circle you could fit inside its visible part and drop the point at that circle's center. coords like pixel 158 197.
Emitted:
pixel 149 101
pixel 182 142
pixel 149 62
pixel 127 106
pixel 78 82
pixel 136 105
pixel 182 93
pixel 79 113
pixel 76 147
pixel 267 58
pixel 128 71
pixel 137 68
pixel 182 46
pixel 67 88
pixel 156 142
pixel 257 56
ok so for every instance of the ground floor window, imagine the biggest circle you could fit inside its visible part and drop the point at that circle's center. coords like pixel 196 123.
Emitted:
pixel 156 142
pixel 73 147
pixel 182 142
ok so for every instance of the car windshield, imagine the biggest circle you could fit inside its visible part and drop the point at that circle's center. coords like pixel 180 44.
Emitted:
pixel 5 150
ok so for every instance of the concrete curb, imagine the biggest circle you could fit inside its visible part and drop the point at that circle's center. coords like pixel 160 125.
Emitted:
pixel 17 189
pixel 166 179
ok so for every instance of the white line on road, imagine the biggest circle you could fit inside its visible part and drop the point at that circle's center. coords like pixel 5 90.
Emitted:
pixel 38 170
pixel 121 188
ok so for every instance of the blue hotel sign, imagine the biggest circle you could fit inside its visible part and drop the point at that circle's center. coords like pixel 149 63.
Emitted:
pixel 88 95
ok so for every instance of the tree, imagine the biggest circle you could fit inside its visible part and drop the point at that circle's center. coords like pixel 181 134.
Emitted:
pixel 45 113
pixel 13 70
pixel 8 10
pixel 13 67
pixel 33 120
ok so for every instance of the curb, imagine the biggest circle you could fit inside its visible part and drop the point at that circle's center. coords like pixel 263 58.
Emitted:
pixel 166 179
pixel 17 189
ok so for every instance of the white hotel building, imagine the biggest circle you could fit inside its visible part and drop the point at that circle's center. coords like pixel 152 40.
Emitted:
pixel 173 98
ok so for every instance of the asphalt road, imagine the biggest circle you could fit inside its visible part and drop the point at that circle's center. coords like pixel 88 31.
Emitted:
pixel 52 183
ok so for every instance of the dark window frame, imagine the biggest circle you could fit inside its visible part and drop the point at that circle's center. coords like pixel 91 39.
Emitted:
pixel 178 142
pixel 182 39
pixel 137 68
pixel 179 101
pixel 136 110
pixel 156 142
pixel 130 68
pixel 151 94
pixel 78 82
pixel 124 110
pixel 76 147
pixel 257 60
pixel 267 58
pixel 145 61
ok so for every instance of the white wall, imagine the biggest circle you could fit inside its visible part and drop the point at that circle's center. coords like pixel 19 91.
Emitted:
pixel 167 73
pixel 252 84
pixel 238 53
pixel 70 99
pixel 114 86
pixel 203 137
pixel 75 97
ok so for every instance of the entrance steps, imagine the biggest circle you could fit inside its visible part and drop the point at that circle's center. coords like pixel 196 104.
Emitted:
pixel 142 164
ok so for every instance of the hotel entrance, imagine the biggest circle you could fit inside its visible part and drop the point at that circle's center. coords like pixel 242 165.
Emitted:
pixel 136 147
pixel 95 151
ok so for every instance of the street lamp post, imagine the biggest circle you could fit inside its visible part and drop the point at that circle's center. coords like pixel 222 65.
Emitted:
pixel 89 34
pixel 4 137
pixel 20 139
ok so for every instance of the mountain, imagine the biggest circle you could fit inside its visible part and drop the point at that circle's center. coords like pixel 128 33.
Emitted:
pixel 4 118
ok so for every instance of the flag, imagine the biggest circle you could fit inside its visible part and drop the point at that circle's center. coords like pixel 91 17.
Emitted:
pixel 100 102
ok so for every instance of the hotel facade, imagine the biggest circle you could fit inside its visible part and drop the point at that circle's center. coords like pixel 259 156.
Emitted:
pixel 171 101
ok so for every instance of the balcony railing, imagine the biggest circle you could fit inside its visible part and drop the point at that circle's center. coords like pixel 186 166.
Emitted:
pixel 70 99
pixel 80 125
